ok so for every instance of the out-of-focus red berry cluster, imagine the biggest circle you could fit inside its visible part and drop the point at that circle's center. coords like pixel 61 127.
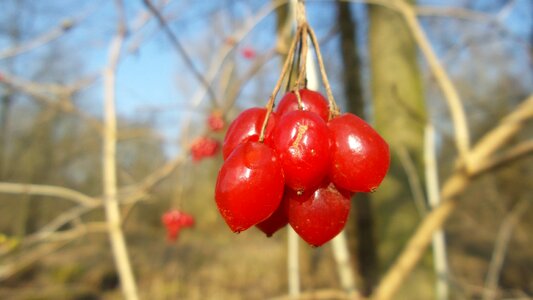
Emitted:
pixel 174 221
pixel 206 146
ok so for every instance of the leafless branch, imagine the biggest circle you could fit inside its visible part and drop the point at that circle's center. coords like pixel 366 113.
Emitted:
pixel 47 37
pixel 500 248
pixel 181 50
pixel 55 95
pixel 109 172
pixel 452 188
pixel 414 180
pixel 47 190
pixel 462 136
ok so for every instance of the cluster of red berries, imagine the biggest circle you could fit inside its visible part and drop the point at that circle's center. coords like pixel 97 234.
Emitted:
pixel 174 221
pixel 302 169
pixel 206 146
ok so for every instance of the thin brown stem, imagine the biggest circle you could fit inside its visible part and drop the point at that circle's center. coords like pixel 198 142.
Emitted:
pixel 270 104
pixel 333 108
pixel 303 58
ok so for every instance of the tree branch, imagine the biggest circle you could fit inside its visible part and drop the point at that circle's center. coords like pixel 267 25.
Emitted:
pixel 181 50
pixel 452 188
pixel 47 190
pixel 109 172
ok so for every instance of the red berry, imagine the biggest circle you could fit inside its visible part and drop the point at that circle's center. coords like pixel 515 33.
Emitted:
pixel 248 52
pixel 301 139
pixel 174 221
pixel 311 101
pixel 247 127
pixel 215 122
pixel 360 156
pixel 203 147
pixel 275 222
pixel 249 186
pixel 318 216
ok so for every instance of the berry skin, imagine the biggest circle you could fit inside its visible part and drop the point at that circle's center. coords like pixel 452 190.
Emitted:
pixel 318 216
pixel 174 221
pixel 275 222
pixel 311 101
pixel 360 156
pixel 203 147
pixel 301 139
pixel 215 122
pixel 249 186
pixel 247 127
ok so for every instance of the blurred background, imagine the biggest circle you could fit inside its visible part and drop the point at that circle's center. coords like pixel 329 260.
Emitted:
pixel 54 56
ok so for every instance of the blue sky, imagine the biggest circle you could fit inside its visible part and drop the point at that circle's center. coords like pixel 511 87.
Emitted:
pixel 155 85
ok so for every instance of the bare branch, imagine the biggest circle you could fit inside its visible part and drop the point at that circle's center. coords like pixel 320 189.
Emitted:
pixel 414 180
pixel 111 204
pixel 507 128
pixel 55 95
pixel 500 248
pixel 47 190
pixel 453 186
pixel 515 153
pixel 462 136
pixel 47 37
pixel 181 50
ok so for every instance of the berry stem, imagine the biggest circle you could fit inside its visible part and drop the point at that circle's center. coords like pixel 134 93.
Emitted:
pixel 270 104
pixel 302 64
pixel 333 108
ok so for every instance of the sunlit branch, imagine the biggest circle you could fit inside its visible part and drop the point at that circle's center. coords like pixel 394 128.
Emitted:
pixel 47 190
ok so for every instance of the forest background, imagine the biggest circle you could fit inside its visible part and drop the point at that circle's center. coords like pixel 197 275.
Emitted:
pixel 101 101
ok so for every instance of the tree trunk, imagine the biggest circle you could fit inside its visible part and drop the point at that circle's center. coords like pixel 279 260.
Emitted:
pixel 399 116
pixel 360 229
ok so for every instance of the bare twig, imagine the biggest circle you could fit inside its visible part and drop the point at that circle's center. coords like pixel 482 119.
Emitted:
pixel 462 136
pixel 7 271
pixel 226 49
pixel 500 247
pixel 54 95
pixel 432 187
pixel 328 294
pixel 47 37
pixel 47 190
pixel 118 243
pixel 454 186
pixel 414 180
pixel 181 50
pixel 293 264
pixel 515 153
pixel 508 127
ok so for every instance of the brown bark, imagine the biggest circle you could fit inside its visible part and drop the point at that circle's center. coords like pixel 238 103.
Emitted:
pixel 360 229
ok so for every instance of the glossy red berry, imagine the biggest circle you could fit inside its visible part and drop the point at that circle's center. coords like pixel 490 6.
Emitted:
pixel 301 139
pixel 215 121
pixel 318 216
pixel 174 221
pixel 203 147
pixel 249 186
pixel 247 127
pixel 275 222
pixel 360 156
pixel 311 101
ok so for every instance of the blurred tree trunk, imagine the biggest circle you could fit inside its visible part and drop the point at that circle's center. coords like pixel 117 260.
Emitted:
pixel 399 116
pixel 7 100
pixel 360 229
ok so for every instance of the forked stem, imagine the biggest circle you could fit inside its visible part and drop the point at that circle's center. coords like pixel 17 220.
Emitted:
pixel 270 104
pixel 333 108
